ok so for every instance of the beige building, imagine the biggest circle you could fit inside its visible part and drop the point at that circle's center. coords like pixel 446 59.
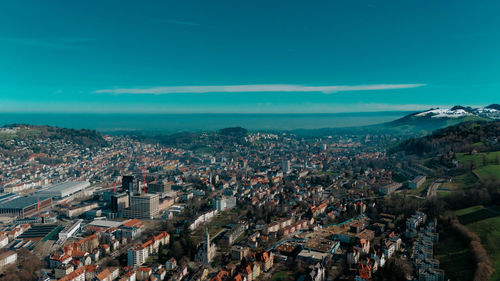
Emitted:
pixel 143 206
pixel 7 257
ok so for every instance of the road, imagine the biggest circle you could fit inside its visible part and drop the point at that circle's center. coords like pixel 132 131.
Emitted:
pixel 432 190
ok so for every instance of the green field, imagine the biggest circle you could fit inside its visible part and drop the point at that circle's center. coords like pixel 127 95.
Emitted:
pixel 477 159
pixel 204 150
pixel 326 173
pixel 443 193
pixel 490 171
pixel 454 256
pixel 465 181
pixel 474 214
pixel 449 185
pixel 485 222
pixel 470 210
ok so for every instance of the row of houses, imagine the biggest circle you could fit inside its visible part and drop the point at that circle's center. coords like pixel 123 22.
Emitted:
pixel 137 255
pixel 249 270
pixel 427 267
pixel 92 273
pixel 205 217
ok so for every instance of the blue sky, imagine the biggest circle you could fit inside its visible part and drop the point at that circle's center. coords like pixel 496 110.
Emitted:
pixel 247 56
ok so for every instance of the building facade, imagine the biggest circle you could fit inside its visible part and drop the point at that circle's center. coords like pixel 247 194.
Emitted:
pixel 143 206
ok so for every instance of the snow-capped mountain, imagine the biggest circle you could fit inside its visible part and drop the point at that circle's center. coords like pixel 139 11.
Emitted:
pixel 437 118
pixel 419 123
pixel 488 112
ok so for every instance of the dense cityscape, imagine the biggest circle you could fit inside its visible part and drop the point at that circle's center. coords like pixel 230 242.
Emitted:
pixel 259 140
pixel 225 205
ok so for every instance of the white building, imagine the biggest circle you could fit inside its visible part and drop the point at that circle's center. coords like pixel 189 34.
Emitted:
pixel 137 256
pixel 65 189
pixel 224 203
pixel 285 166
pixel 7 257
pixel 417 182
pixel 69 230
pixel 4 240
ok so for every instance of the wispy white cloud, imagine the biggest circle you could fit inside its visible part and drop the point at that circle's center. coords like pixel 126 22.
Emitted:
pixel 255 89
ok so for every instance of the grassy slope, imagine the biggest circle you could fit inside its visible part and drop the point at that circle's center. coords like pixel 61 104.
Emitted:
pixel 454 256
pixel 486 224
pixel 489 171
pixel 465 181
pixel 492 169
pixel 477 159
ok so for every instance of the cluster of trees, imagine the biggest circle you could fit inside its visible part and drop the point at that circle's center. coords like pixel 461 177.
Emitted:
pixel 83 137
pixel 197 205
pixel 267 213
pixel 399 205
pixel 25 268
pixel 458 138
pixel 184 139
pixel 480 193
pixel 182 247
pixel 323 180
pixel 177 139
pixel 237 132
pixel 394 270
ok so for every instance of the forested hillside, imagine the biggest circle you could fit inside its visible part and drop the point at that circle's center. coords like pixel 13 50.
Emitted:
pixel 464 137
pixel 83 137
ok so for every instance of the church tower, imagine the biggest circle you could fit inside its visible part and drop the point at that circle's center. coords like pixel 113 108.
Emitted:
pixel 207 243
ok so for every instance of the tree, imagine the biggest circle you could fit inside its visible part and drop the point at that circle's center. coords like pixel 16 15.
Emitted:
pixel 162 257
pixel 394 270
pixel 176 250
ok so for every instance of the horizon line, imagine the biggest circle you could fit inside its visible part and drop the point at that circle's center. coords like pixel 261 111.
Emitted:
pixel 211 113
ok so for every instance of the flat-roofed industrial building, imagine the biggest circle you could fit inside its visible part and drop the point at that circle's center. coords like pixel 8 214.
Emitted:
pixel 65 189
pixel 25 206
pixel 417 182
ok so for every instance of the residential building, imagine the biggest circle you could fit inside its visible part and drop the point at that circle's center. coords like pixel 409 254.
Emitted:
pixel 7 257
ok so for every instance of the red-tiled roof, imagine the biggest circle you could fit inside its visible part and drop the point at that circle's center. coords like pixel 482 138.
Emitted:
pixel 103 275
pixel 74 274
pixel 133 223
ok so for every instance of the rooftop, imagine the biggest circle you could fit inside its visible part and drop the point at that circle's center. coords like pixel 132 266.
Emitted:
pixel 66 185
pixel 105 223
pixel 21 202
